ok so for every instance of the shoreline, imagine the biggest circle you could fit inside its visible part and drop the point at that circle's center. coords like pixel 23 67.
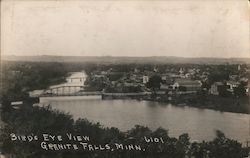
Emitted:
pixel 210 102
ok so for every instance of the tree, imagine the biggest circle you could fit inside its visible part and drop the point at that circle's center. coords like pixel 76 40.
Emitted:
pixel 217 76
pixel 182 145
pixel 223 90
pixel 240 91
pixel 222 147
pixel 182 88
pixel 154 82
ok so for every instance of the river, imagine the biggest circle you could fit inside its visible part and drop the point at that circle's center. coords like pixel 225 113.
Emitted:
pixel 200 124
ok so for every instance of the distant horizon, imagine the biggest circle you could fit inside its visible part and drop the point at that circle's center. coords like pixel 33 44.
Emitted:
pixel 123 56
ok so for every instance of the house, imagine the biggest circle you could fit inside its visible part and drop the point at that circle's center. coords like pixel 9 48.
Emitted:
pixel 174 76
pixel 36 93
pixel 188 75
pixel 215 88
pixel 155 69
pixel 136 70
pixel 233 77
pixel 244 79
pixel 192 71
pixel 99 76
pixel 145 79
pixel 164 87
pixel 239 67
pixel 16 104
pixel 187 85
pixel 247 88
pixel 104 73
pixel 77 78
pixel 231 85
pixel 16 73
pixel 129 84
pixel 166 79
pixel 181 71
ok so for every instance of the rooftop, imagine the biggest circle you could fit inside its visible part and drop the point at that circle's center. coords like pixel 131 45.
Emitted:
pixel 183 81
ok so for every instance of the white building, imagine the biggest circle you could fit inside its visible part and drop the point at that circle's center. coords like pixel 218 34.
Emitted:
pixel 36 93
pixel 77 78
pixel 187 84
pixel 145 79
pixel 231 85
pixel 214 90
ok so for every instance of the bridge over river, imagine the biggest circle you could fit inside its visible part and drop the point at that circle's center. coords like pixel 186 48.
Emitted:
pixel 64 93
pixel 78 90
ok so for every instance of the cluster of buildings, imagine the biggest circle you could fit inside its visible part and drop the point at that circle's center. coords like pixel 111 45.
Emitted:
pixel 230 85
pixel 171 81
pixel 184 80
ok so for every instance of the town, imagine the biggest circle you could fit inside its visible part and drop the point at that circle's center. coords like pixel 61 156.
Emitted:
pixel 223 87
pixel 181 80
pixel 180 84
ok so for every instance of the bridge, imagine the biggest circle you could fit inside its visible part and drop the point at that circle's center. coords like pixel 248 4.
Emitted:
pixel 77 90
pixel 72 94
pixel 67 90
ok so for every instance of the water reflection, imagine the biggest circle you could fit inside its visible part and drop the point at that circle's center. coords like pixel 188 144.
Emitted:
pixel 124 114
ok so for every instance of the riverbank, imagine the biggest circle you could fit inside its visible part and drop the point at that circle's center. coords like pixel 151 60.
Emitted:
pixel 235 105
pixel 232 104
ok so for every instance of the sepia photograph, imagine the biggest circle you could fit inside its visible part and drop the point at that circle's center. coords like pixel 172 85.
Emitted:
pixel 125 79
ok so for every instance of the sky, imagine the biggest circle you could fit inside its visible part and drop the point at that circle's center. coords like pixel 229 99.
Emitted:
pixel 185 28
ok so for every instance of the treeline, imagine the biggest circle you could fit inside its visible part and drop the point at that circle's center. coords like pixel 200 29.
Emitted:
pixel 35 120
pixel 18 78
